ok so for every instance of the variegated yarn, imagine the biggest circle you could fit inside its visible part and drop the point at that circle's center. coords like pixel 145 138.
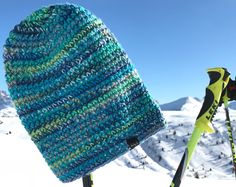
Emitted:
pixel 75 90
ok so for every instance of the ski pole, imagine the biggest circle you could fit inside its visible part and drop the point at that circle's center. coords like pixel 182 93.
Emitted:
pixel 88 180
pixel 219 78
pixel 230 131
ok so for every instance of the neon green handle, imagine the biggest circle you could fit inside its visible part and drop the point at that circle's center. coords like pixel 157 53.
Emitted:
pixel 219 78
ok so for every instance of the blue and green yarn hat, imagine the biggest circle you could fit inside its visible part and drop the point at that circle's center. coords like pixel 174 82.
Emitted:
pixel 76 91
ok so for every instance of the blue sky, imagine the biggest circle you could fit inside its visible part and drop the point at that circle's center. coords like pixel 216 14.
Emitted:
pixel 171 42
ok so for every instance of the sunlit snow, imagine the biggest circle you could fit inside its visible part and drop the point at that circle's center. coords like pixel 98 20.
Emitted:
pixel 153 163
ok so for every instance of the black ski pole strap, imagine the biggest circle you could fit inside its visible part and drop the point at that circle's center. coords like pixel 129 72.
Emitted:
pixel 229 93
pixel 88 180
pixel 231 90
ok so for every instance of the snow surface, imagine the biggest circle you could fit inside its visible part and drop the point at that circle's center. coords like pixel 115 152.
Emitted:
pixel 153 163
pixel 5 100
pixel 232 105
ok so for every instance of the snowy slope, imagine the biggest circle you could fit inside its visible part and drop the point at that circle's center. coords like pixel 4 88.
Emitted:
pixel 212 158
pixel 152 163
pixel 232 105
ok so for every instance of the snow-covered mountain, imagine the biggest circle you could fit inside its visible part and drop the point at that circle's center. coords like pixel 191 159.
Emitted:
pixel 185 103
pixel 156 158
pixel 5 100
pixel 192 104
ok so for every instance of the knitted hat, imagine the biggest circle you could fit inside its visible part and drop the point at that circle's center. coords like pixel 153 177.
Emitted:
pixel 76 91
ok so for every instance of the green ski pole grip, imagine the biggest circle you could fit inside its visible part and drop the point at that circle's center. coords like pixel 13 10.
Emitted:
pixel 219 78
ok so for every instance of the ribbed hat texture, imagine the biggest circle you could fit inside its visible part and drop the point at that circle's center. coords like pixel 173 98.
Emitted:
pixel 75 90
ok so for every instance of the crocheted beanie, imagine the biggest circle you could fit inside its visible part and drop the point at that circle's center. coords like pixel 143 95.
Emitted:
pixel 76 91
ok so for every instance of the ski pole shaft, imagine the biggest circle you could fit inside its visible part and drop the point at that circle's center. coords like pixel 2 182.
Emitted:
pixel 88 180
pixel 230 133
pixel 219 78
pixel 186 157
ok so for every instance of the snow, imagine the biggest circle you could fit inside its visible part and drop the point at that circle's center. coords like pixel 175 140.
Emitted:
pixel 213 154
pixel 153 163
pixel 5 100
pixel 232 105
pixel 184 104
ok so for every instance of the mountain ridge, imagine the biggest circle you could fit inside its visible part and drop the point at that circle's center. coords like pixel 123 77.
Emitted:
pixel 5 100
pixel 184 103
pixel 189 104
